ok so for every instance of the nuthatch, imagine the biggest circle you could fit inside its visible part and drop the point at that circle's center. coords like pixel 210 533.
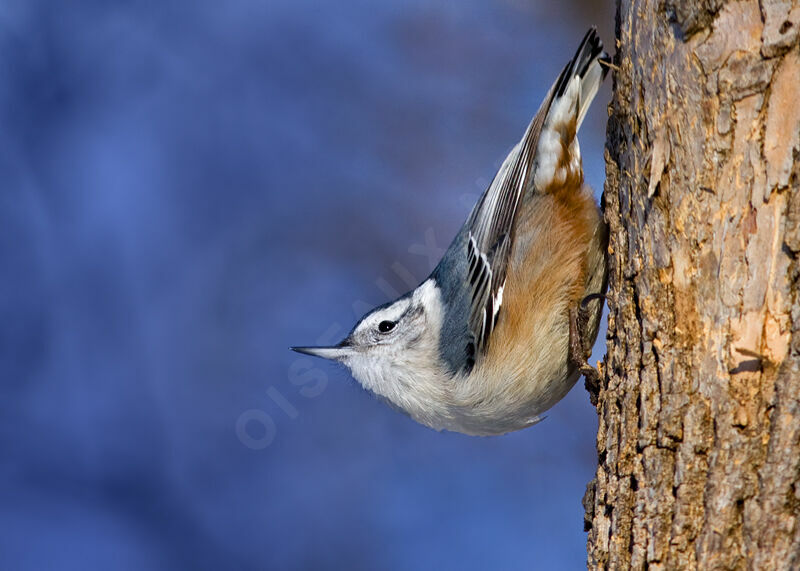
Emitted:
pixel 500 330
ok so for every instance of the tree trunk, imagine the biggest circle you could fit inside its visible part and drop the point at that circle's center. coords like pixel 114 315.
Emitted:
pixel 699 412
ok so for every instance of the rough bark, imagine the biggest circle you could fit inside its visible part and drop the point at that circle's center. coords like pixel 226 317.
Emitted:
pixel 699 411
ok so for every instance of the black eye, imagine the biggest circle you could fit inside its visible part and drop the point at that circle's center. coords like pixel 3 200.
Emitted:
pixel 386 326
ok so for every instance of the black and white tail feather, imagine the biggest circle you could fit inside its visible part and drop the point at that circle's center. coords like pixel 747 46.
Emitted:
pixel 534 164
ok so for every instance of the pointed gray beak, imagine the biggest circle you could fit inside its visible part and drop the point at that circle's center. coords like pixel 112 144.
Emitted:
pixel 335 353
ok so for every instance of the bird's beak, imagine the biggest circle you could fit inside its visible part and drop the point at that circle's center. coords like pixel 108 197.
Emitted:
pixel 335 353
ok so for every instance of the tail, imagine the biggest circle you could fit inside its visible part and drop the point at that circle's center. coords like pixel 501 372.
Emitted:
pixel 558 155
pixel 581 78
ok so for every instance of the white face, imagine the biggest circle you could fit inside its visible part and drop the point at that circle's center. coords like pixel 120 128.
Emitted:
pixel 387 329
pixel 395 347
pixel 394 351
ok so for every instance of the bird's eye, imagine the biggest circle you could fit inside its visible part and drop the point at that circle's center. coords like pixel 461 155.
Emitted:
pixel 386 326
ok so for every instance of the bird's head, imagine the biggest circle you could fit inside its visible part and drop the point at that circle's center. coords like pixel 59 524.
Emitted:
pixel 393 350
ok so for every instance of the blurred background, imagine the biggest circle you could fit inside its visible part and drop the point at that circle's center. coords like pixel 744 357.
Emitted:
pixel 189 188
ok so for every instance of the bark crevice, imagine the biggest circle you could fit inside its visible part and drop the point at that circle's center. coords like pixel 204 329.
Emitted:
pixel 699 419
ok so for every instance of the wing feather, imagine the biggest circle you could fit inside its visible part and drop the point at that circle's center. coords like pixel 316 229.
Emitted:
pixel 490 226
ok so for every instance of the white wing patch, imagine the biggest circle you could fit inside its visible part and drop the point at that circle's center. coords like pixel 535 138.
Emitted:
pixel 487 295
pixel 480 279
pixel 498 301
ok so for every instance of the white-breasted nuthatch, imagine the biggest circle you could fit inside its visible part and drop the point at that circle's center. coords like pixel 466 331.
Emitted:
pixel 500 330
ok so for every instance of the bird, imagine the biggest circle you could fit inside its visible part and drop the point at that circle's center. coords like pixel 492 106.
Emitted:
pixel 502 328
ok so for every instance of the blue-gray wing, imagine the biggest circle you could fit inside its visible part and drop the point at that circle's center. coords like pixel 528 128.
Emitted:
pixel 486 238
pixel 489 236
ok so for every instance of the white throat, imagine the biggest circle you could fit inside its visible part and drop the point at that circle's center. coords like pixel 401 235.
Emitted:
pixel 410 375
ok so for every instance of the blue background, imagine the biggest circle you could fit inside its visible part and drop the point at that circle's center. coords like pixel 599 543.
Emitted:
pixel 190 187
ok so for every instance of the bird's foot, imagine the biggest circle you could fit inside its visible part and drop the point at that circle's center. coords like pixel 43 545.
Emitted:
pixel 579 348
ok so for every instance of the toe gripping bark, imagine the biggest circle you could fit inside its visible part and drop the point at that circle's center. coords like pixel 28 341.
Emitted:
pixel 580 348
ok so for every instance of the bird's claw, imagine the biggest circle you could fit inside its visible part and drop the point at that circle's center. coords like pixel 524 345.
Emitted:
pixel 579 353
